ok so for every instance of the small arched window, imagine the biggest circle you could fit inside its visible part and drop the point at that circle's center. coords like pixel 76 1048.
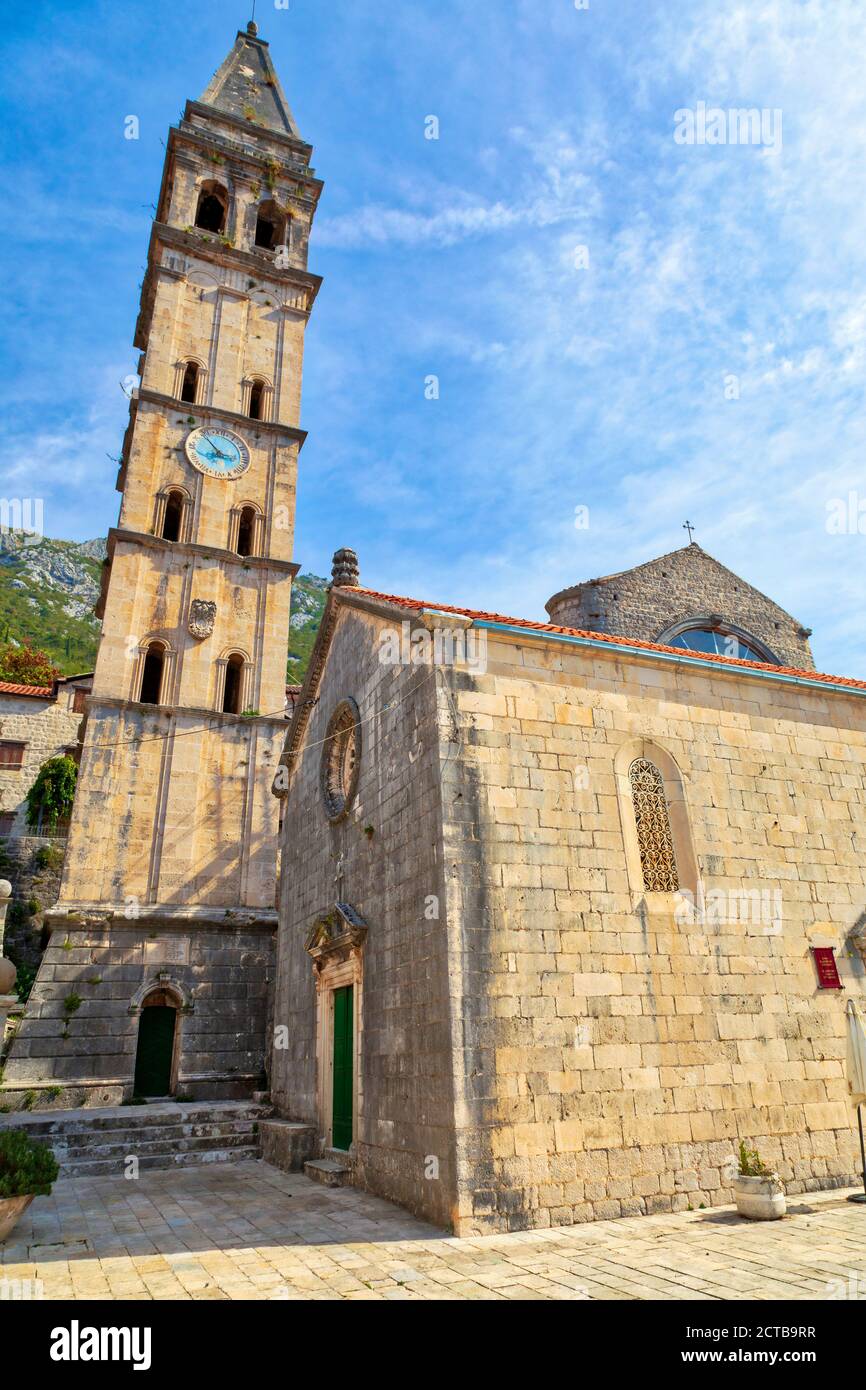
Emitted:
pixel 234 680
pixel 151 678
pixel 189 386
pixel 257 400
pixel 213 201
pixel 270 227
pixel 246 531
pixel 173 520
pixel 658 858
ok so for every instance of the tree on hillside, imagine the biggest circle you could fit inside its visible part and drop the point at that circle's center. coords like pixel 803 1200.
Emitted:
pixel 26 665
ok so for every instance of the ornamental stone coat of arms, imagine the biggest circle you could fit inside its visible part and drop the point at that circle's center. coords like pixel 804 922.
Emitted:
pixel 202 613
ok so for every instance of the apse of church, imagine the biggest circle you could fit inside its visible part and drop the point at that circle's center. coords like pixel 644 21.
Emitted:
pixel 170 878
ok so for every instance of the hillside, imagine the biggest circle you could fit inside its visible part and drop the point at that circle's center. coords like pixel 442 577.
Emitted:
pixel 47 592
pixel 48 589
pixel 308 602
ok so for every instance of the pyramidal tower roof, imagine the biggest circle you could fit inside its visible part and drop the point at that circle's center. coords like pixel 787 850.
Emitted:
pixel 246 86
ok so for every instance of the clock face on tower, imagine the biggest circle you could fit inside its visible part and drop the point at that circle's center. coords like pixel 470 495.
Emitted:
pixel 218 453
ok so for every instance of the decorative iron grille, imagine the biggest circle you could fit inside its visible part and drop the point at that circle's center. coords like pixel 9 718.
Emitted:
pixel 658 858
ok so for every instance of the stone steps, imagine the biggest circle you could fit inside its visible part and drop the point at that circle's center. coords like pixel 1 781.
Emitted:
pixel 329 1171
pixel 90 1143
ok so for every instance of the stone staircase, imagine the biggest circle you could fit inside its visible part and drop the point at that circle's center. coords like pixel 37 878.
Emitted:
pixel 96 1143
pixel 333 1169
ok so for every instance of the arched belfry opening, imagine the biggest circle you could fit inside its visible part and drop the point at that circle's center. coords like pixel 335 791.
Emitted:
pixel 271 225
pixel 152 674
pixel 189 384
pixel 233 684
pixel 212 208
pixel 173 520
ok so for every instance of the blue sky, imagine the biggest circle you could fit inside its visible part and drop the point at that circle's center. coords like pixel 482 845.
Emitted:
pixel 562 384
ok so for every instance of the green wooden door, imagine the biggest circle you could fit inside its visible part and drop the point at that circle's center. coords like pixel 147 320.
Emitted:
pixel 155 1049
pixel 343 1068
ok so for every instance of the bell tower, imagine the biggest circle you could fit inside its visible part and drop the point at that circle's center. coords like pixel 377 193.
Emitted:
pixel 169 883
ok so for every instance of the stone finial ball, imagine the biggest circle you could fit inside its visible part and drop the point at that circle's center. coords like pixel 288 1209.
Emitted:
pixel 5 888
pixel 8 973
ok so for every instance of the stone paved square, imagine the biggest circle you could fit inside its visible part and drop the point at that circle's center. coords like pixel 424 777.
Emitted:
pixel 249 1231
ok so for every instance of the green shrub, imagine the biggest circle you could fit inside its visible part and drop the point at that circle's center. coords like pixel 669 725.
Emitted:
pixel 52 793
pixel 26 1166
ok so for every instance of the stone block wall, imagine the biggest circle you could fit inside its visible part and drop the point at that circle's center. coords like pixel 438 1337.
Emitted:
pixel 610 1055
pixel 48 727
pixel 33 865
pixel 221 975
pixel 388 857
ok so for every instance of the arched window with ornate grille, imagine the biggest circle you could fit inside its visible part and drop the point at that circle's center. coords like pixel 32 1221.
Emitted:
pixel 658 859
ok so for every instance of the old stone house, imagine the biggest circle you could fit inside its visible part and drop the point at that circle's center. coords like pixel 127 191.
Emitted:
pixel 550 899
pixel 36 723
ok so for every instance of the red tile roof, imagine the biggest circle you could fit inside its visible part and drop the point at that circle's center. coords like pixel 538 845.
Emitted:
pixel 731 662
pixel 39 692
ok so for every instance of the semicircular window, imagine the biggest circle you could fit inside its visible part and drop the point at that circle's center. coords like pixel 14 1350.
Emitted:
pixel 720 641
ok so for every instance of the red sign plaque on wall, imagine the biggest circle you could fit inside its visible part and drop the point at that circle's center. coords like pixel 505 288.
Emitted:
pixel 825 964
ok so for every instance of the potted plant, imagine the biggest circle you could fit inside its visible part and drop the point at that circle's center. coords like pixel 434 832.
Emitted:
pixel 27 1170
pixel 758 1191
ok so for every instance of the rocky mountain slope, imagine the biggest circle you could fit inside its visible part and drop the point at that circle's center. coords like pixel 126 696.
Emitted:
pixel 48 589
pixel 47 592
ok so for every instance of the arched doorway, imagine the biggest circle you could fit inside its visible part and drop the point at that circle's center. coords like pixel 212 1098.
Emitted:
pixel 157 1034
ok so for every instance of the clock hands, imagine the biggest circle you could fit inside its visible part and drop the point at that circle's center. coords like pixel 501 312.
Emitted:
pixel 215 449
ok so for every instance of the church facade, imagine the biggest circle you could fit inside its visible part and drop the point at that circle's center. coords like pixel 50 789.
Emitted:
pixel 551 899
pixel 157 973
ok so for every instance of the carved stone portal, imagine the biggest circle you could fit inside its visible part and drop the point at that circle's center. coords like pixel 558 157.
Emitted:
pixel 202 614
pixel 336 936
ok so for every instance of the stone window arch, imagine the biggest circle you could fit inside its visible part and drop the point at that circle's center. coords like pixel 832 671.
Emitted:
pixel 272 224
pixel 246 529
pixel 711 634
pixel 152 680
pixel 659 849
pixel 234 682
pixel 173 513
pixel 189 378
pixel 256 397
pixel 212 207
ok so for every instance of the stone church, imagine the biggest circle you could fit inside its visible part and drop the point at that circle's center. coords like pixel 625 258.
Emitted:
pixel 564 909
pixel 553 898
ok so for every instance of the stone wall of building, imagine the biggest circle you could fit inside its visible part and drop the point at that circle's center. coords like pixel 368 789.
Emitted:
pixel 644 602
pixel 220 977
pixel 613 1054
pixel 385 861
pixel 49 728
pixel 33 865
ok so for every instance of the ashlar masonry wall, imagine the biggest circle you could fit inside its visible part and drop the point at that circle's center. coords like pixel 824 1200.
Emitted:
pixel 610 1055
pixel 385 861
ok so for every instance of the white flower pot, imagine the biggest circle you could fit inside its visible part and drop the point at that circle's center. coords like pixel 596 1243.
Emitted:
pixel 760 1199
